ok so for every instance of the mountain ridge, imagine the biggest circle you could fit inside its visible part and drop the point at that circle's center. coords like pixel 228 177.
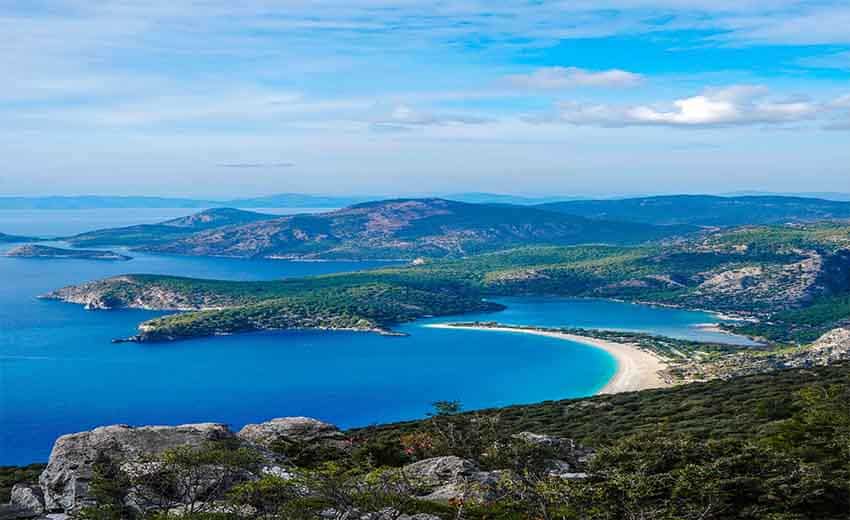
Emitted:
pixel 388 229
pixel 707 210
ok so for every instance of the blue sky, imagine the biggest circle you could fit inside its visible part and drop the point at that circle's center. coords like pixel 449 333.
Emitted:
pixel 585 97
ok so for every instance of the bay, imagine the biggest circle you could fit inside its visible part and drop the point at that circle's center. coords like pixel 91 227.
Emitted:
pixel 60 373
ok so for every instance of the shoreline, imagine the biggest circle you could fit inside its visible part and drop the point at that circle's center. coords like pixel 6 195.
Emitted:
pixel 636 368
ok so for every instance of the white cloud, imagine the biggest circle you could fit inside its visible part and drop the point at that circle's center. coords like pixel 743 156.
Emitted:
pixel 735 105
pixel 404 117
pixel 553 78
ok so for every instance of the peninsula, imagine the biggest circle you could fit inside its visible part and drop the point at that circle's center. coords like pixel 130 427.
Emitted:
pixel 39 251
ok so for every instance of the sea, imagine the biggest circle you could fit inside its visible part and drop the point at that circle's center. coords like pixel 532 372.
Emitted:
pixel 60 373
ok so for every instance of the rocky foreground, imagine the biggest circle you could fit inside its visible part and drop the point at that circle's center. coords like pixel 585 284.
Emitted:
pixel 144 457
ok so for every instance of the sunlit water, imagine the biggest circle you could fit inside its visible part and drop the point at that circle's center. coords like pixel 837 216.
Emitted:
pixel 60 373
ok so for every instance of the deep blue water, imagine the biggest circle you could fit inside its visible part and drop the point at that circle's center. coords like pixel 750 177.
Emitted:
pixel 59 373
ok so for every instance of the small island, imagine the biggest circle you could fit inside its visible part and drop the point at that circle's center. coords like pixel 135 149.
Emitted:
pixel 11 239
pixel 37 251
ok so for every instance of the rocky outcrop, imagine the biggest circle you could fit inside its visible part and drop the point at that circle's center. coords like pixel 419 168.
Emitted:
pixel 568 457
pixel 65 480
pixel 438 471
pixel 386 514
pixel 794 284
pixel 289 429
pixel 28 497
pixel 832 347
pixel 789 285
pixel 442 479
pixel 134 453
pixel 136 292
pixel 27 501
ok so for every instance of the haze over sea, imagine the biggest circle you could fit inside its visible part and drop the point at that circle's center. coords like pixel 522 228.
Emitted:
pixel 59 373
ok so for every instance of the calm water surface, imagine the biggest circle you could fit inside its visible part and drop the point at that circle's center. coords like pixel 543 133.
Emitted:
pixel 59 373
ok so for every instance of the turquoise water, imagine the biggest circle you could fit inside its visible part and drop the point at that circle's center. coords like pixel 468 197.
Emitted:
pixel 59 373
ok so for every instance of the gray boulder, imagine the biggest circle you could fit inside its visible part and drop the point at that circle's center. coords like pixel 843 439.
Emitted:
pixel 384 514
pixel 65 480
pixel 289 429
pixel 27 497
pixel 442 479
pixel 570 455
pixel 431 473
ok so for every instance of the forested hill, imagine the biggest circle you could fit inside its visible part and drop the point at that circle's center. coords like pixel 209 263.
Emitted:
pixel 389 229
pixel 706 210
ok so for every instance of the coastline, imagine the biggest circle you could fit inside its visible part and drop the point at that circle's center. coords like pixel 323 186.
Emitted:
pixel 636 368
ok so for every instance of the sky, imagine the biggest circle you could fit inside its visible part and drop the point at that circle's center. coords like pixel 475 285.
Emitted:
pixel 215 98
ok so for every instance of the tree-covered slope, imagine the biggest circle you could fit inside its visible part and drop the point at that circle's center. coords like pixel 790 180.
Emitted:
pixel 706 210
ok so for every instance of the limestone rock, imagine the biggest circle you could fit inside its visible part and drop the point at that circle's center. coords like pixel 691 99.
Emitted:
pixel 28 497
pixel 65 479
pixel 384 514
pixel 569 454
pixel 291 429
pixel 431 473
pixel 442 479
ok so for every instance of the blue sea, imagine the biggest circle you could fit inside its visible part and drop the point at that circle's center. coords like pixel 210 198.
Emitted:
pixel 60 373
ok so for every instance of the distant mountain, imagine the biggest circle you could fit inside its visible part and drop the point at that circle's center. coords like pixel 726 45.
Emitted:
pixel 168 230
pixel 706 210
pixel 286 200
pixel 11 239
pixel 496 198
pixel 99 202
pixel 295 200
pixel 826 195
pixel 390 229
pixel 281 200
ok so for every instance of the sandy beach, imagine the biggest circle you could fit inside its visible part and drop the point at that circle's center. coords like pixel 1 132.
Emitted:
pixel 636 368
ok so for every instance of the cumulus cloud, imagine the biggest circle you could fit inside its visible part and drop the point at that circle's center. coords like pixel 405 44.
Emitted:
pixel 553 78
pixel 730 106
